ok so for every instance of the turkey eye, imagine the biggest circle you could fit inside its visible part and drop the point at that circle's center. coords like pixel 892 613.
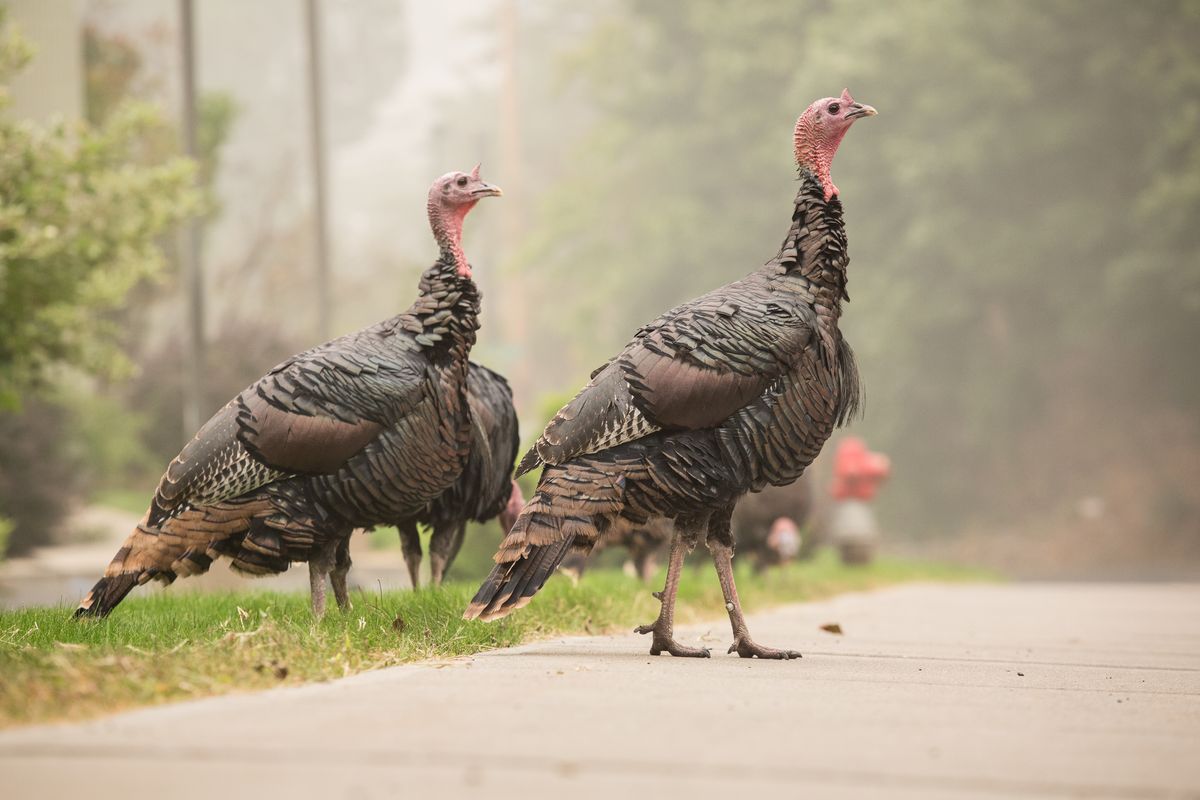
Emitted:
pixel 462 181
pixel 833 108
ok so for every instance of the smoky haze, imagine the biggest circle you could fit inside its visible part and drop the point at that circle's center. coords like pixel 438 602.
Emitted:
pixel 1025 258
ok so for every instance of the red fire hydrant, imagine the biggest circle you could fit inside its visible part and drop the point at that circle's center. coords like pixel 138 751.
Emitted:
pixel 857 475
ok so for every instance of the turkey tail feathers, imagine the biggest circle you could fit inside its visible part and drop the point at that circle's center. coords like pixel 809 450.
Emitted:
pixel 530 462
pixel 106 594
pixel 512 586
pixel 570 506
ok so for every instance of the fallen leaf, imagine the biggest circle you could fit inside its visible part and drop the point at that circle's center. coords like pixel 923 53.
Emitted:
pixel 832 627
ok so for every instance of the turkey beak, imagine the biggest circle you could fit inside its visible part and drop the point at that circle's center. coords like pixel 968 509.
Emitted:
pixel 487 190
pixel 859 110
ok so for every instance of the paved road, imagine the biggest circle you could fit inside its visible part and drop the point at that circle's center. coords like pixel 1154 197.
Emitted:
pixel 1035 690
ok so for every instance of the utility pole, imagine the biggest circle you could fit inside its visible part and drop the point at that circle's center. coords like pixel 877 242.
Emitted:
pixel 317 137
pixel 190 244
pixel 512 210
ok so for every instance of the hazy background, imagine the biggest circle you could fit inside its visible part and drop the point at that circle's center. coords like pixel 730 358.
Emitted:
pixel 1023 217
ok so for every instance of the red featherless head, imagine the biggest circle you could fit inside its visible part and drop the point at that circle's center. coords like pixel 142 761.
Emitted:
pixel 819 131
pixel 450 198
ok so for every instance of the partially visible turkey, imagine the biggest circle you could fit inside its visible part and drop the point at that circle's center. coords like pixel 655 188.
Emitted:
pixel 723 395
pixel 485 489
pixel 360 430
pixel 642 541
pixel 773 526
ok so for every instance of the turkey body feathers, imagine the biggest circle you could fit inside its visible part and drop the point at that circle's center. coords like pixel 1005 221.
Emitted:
pixel 357 431
pixel 482 489
pixel 763 353
pixel 689 369
pixel 309 414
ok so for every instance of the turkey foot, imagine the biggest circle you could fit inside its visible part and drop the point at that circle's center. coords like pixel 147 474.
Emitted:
pixel 743 645
pixel 664 642
pixel 748 648
pixel 663 627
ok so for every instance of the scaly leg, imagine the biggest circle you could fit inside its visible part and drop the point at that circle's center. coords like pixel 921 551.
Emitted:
pixel 319 564
pixel 720 546
pixel 663 627
pixel 460 533
pixel 443 547
pixel 341 567
pixel 410 543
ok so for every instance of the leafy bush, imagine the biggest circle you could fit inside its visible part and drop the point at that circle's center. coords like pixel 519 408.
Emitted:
pixel 83 208
pixel 81 214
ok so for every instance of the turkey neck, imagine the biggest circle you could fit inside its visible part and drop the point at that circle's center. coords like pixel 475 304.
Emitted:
pixel 813 253
pixel 447 308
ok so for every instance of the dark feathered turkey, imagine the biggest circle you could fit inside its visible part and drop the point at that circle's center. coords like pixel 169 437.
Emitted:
pixel 483 491
pixel 360 430
pixel 643 541
pixel 757 525
pixel 723 395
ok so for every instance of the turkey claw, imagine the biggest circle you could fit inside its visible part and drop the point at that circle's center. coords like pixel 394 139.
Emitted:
pixel 747 648
pixel 667 644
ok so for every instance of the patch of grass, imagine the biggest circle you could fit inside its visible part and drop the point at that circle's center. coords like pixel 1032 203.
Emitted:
pixel 167 647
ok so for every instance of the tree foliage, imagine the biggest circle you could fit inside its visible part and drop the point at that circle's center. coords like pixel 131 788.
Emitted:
pixel 82 211
pixel 1021 214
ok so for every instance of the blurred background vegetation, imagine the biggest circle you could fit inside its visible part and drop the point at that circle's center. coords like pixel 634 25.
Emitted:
pixel 1022 219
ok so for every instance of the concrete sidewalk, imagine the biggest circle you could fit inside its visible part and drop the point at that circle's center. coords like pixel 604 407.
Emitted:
pixel 1035 690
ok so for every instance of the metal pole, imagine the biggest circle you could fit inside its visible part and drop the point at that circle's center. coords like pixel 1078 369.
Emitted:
pixel 512 210
pixel 316 124
pixel 190 249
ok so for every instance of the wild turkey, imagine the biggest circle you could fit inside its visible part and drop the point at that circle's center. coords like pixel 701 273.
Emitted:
pixel 643 541
pixel 773 525
pixel 723 395
pixel 359 430
pixel 769 525
pixel 485 489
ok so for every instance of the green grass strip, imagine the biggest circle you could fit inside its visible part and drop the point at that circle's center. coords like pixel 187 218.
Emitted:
pixel 175 645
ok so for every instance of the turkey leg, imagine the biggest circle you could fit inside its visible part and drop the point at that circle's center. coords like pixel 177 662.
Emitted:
pixel 663 627
pixel 720 546
pixel 443 547
pixel 320 562
pixel 410 543
pixel 341 567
